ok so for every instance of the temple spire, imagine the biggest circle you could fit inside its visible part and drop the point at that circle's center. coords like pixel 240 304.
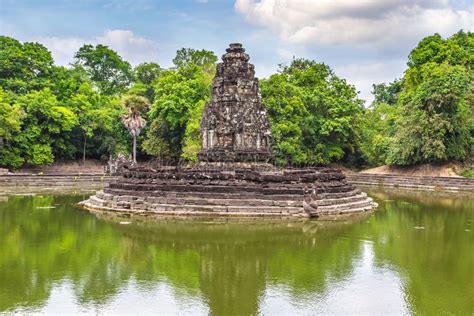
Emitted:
pixel 234 125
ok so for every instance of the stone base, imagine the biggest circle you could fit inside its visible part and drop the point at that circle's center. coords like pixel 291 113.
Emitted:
pixel 203 191
pixel 232 156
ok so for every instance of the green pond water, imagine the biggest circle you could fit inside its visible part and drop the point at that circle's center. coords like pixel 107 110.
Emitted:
pixel 414 255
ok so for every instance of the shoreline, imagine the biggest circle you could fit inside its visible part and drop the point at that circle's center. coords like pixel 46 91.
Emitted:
pixel 100 180
pixel 425 183
pixel 25 184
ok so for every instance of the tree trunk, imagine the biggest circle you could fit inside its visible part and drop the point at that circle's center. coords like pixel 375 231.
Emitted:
pixel 84 150
pixel 134 148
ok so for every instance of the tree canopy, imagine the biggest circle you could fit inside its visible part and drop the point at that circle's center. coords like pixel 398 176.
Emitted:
pixel 427 116
pixel 50 112
pixel 106 69
pixel 313 113
pixel 186 56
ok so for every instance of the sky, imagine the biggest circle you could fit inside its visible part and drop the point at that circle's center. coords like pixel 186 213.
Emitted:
pixel 363 41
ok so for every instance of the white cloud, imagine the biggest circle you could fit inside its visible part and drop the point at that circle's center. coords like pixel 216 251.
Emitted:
pixel 133 48
pixel 363 75
pixel 329 22
pixel 364 41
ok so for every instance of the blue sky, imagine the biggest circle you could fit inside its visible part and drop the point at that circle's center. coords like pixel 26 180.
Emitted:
pixel 364 41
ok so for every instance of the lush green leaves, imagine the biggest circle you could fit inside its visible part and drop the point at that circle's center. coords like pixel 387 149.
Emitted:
pixel 110 73
pixel 436 124
pixel 49 112
pixel 24 67
pixel 177 93
pixel 186 56
pixel 313 113
pixel 427 116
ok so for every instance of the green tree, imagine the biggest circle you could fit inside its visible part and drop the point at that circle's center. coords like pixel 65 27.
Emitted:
pixel 66 82
pixel 46 119
pixel 436 101
pixel 186 56
pixel 286 111
pixel 53 112
pixel 378 123
pixel 11 120
pixel 386 93
pixel 24 66
pixel 109 72
pixel 145 75
pixel 94 112
pixel 315 115
pixel 192 135
pixel 437 123
pixel 133 121
pixel 177 93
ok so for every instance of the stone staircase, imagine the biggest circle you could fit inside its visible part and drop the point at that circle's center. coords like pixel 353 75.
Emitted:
pixel 453 184
pixel 157 194
pixel 54 180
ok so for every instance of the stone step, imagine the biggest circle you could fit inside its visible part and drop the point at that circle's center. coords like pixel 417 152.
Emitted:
pixel 189 198
pixel 200 188
pixel 346 211
pixel 93 200
pixel 407 178
pixel 418 186
pixel 231 195
pixel 407 182
pixel 108 193
pixel 345 206
pixel 413 182
pixel 51 181
pixel 226 201
pixel 350 199
pixel 353 192
pixel 192 208
pixel 230 188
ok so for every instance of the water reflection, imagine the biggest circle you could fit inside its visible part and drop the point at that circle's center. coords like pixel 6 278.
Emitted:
pixel 413 255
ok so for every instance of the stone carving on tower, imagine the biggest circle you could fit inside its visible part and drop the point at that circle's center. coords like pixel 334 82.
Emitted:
pixel 234 124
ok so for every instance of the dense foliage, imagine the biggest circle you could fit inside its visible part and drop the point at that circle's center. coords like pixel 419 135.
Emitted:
pixel 427 116
pixel 48 112
pixel 105 68
pixel 180 95
pixel 313 113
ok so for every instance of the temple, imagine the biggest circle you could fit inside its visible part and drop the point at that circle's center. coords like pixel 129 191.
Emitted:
pixel 235 176
pixel 234 125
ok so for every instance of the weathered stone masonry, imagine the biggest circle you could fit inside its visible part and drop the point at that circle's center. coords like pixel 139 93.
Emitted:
pixel 234 177
pixel 234 125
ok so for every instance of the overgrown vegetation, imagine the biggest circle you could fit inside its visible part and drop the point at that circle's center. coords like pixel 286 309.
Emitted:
pixel 315 116
pixel 427 116
pixel 468 171
pixel 48 112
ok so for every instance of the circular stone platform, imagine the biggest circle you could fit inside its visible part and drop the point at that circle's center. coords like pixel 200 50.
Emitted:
pixel 205 191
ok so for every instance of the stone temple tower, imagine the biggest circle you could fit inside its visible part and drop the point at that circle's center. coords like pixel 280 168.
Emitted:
pixel 235 141
pixel 234 125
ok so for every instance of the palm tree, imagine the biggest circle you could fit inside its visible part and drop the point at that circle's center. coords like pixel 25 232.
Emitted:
pixel 133 120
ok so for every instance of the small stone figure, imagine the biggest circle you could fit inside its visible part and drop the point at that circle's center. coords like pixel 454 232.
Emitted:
pixel 118 164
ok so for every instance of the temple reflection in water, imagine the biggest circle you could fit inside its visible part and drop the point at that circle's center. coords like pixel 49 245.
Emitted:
pixel 237 267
